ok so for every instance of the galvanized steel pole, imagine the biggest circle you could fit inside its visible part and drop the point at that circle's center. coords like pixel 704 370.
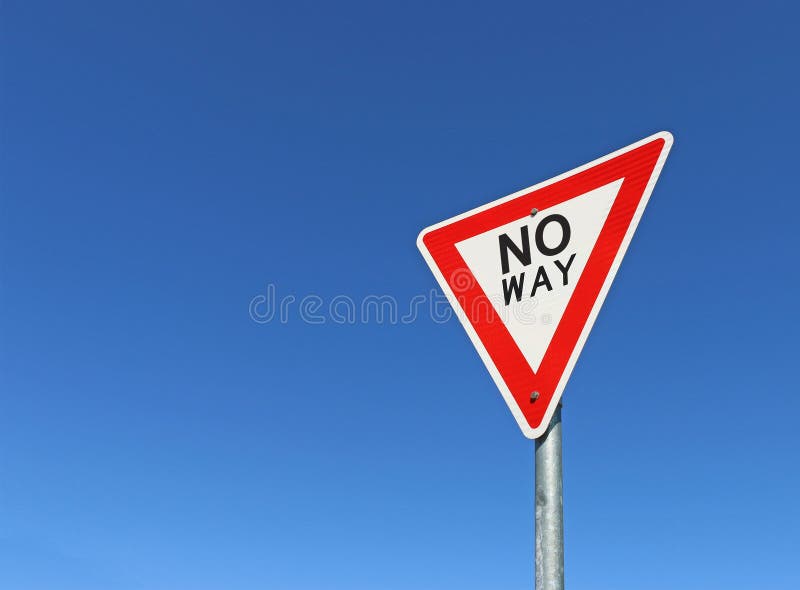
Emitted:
pixel 549 508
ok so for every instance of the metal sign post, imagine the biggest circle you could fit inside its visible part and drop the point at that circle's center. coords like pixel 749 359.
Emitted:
pixel 549 508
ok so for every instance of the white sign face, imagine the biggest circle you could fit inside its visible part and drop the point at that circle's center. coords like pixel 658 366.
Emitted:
pixel 528 273
pixel 530 299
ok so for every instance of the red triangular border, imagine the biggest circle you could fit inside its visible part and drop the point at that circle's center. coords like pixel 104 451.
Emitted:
pixel 636 166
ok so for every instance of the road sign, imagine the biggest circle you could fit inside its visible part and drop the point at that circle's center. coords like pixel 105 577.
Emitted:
pixel 528 273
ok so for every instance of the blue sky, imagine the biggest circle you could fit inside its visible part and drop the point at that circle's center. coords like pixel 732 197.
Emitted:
pixel 164 162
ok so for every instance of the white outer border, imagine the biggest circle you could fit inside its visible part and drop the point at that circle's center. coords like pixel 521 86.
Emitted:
pixel 487 360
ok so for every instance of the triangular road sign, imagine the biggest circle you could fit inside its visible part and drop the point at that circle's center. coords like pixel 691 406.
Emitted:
pixel 528 273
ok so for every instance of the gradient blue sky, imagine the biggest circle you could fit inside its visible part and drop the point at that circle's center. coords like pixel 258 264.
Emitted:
pixel 163 162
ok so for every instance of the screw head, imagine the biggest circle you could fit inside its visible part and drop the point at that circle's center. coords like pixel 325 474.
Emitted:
pixel 534 211
pixel 534 396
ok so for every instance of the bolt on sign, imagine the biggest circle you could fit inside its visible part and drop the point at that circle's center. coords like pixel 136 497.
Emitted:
pixel 528 273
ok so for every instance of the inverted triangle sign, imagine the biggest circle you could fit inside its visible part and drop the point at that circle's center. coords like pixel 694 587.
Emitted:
pixel 528 273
